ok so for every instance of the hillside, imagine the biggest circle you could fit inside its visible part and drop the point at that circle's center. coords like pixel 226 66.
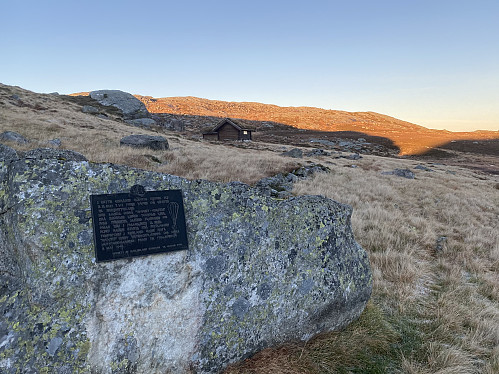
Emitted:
pixel 411 139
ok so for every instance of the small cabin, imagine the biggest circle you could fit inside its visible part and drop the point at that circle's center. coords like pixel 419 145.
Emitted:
pixel 227 129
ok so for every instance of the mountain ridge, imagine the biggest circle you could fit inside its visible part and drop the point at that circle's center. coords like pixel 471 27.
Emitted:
pixel 409 137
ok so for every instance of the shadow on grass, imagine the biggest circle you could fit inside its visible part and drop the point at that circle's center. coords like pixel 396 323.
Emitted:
pixel 375 343
pixel 280 133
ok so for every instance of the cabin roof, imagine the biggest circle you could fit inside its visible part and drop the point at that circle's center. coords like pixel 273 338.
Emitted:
pixel 230 122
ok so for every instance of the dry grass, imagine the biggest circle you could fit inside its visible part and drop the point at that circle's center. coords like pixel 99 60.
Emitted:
pixel 452 294
pixel 435 309
pixel 98 139
pixel 330 352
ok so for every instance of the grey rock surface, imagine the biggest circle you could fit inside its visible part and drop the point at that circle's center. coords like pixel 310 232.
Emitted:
pixel 353 156
pixel 175 125
pixel 141 122
pixel 57 154
pixel 131 107
pixel 13 136
pixel 7 153
pixel 55 142
pixel 323 142
pixel 259 272
pixel 145 141
pixel 317 152
pixel 404 173
pixel 422 167
pixel 441 243
pixel 295 153
pixel 89 109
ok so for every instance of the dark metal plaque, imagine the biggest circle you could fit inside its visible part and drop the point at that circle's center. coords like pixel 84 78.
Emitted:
pixel 138 223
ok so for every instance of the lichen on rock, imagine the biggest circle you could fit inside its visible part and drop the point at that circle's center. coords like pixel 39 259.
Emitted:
pixel 259 272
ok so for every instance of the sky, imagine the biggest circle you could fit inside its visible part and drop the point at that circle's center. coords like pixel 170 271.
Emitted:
pixel 433 63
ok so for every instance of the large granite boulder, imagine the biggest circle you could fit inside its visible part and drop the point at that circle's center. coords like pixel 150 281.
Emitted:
pixel 131 107
pixel 259 272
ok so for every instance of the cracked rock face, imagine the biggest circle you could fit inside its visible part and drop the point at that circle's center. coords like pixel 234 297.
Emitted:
pixel 259 272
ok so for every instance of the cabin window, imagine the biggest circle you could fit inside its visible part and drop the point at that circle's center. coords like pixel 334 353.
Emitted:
pixel 245 132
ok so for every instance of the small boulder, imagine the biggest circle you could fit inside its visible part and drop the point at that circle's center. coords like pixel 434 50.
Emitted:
pixel 158 143
pixel 295 153
pixel 306 171
pixel 12 136
pixel 7 153
pixel 281 185
pixel 345 144
pixel 422 167
pixel 89 109
pixel 404 173
pixel 441 243
pixel 353 156
pixel 131 107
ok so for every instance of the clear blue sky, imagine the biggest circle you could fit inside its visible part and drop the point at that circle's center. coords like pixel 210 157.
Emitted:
pixel 434 63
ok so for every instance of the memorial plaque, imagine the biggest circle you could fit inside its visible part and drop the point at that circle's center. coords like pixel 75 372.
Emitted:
pixel 138 223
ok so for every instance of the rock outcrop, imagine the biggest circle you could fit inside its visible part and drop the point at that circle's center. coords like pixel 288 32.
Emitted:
pixel 295 153
pixel 281 185
pixel 259 272
pixel 142 122
pixel 12 136
pixel 404 173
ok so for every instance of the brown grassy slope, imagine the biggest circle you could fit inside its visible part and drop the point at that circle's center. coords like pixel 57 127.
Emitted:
pixel 41 117
pixel 410 138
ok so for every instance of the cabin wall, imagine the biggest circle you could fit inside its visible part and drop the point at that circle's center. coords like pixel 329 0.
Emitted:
pixel 228 132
